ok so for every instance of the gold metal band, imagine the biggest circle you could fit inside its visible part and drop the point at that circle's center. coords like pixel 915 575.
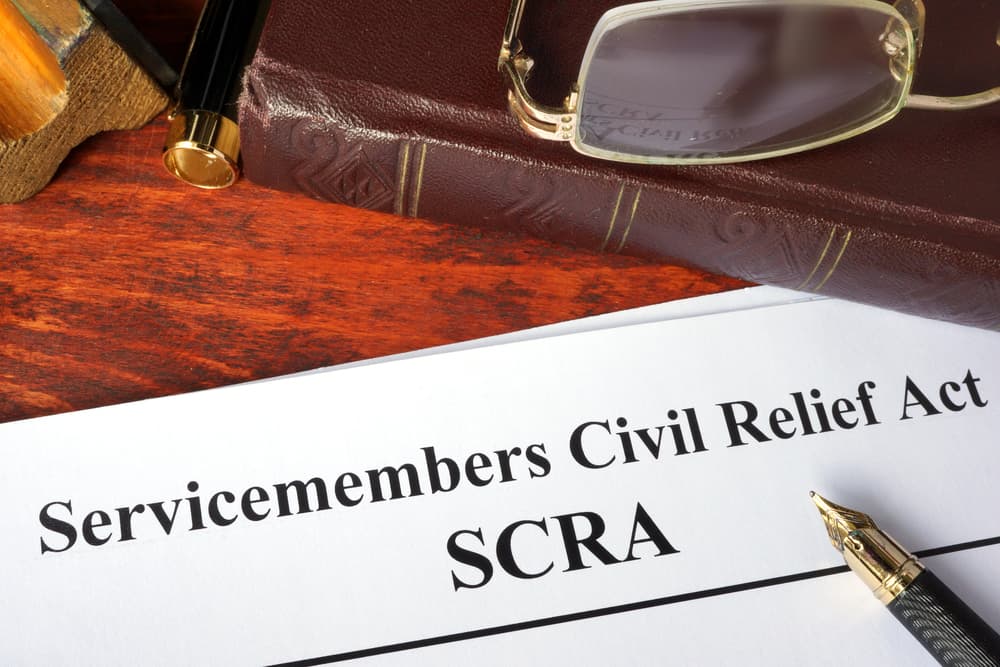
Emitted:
pixel 878 560
pixel 203 149
pixel 541 121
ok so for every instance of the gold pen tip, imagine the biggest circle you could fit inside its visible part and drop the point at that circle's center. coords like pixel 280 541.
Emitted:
pixel 822 504
pixel 840 521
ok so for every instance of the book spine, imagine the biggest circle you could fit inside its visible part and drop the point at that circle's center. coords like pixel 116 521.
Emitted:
pixel 722 230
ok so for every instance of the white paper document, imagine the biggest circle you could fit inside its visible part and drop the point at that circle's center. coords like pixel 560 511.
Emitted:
pixel 636 495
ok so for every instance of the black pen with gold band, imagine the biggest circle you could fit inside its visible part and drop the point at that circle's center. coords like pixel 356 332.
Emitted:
pixel 950 631
pixel 203 143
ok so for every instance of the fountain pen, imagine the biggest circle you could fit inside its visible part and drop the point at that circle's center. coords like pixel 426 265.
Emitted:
pixel 934 615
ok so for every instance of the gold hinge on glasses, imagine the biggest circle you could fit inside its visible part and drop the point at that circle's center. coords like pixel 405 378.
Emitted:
pixel 541 121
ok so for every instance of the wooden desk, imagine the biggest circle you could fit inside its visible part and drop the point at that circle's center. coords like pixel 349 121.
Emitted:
pixel 119 283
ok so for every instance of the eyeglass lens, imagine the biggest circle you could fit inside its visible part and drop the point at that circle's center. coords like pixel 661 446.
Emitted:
pixel 742 80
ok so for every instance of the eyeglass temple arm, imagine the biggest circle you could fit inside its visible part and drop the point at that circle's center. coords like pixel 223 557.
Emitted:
pixel 544 122
pixel 915 14
pixel 937 103
pixel 510 31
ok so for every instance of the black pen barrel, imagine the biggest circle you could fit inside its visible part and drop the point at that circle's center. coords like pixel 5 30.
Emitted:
pixel 222 46
pixel 950 631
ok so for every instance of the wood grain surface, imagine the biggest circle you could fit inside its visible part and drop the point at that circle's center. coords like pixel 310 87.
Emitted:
pixel 119 283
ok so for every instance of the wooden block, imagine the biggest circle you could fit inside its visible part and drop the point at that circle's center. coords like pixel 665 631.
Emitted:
pixel 62 79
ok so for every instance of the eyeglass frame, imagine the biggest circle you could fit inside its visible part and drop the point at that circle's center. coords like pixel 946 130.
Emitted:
pixel 560 123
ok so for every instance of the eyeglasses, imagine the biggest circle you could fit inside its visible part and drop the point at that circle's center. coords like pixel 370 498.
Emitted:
pixel 713 81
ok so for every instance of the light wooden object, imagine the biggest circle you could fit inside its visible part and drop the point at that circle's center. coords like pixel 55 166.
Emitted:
pixel 62 79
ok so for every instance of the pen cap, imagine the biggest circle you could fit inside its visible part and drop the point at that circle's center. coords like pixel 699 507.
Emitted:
pixel 203 142
pixel 202 148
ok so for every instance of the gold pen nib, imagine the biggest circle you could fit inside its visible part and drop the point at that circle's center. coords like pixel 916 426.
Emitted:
pixel 840 521
pixel 885 567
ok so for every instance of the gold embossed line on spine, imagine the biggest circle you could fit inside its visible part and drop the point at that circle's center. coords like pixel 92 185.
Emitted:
pixel 410 163
pixel 617 214
pixel 631 219
pixel 614 217
pixel 830 244
pixel 885 567
pixel 203 142
pixel 418 182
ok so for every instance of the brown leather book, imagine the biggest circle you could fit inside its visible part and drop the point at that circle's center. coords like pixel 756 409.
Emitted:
pixel 398 107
